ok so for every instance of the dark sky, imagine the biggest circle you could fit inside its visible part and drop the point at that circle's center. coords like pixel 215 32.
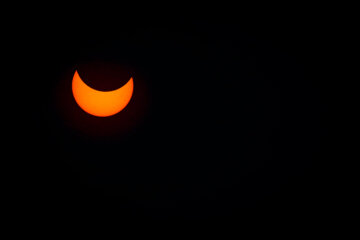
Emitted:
pixel 226 120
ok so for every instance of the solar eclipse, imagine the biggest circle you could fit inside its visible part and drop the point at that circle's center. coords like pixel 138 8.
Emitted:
pixel 101 103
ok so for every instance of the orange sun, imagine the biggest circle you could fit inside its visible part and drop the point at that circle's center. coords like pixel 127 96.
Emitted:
pixel 101 103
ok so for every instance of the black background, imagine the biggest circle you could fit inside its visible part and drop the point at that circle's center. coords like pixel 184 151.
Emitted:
pixel 227 120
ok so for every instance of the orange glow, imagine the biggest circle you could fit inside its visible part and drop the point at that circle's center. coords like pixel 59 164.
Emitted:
pixel 101 103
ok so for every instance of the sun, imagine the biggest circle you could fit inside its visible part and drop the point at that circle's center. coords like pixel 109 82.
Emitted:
pixel 101 103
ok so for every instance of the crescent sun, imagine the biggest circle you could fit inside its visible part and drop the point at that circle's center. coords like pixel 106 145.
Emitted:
pixel 101 103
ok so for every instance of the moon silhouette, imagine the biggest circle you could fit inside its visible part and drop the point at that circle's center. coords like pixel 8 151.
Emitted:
pixel 101 103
